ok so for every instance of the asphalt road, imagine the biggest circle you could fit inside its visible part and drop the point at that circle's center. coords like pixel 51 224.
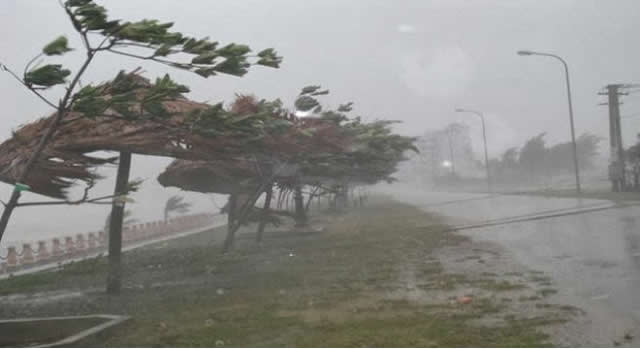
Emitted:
pixel 592 257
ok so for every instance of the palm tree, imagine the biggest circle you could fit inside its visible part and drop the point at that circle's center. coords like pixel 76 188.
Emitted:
pixel 176 204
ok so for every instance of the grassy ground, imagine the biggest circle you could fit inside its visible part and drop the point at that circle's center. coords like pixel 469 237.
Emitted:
pixel 370 278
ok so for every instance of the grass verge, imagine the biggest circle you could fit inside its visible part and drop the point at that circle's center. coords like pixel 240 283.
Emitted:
pixel 369 279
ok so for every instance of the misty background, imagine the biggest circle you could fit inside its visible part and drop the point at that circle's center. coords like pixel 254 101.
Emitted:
pixel 414 61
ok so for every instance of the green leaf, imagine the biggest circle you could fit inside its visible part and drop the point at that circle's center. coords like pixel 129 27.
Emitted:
pixel 89 102
pixel 344 108
pixel 239 118
pixel 197 47
pixel 205 58
pixel 47 76
pixel 233 66
pixel 305 103
pixel 134 185
pixel 163 50
pixel 269 63
pixel 320 93
pixel 309 89
pixel 269 58
pixel 267 53
pixel 232 50
pixel 76 3
pixel 205 72
pixel 56 47
pixel 149 31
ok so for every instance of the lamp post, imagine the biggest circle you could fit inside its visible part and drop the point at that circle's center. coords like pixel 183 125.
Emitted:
pixel 567 83
pixel 487 165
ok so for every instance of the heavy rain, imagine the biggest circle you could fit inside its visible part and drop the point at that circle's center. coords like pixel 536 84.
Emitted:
pixel 438 173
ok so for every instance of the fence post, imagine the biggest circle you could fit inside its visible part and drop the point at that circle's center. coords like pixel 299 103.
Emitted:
pixel 27 254
pixel 70 248
pixel 43 254
pixel 56 249
pixel 12 256
pixel 80 242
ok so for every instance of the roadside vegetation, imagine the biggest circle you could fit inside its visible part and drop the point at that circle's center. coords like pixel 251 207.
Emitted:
pixel 369 277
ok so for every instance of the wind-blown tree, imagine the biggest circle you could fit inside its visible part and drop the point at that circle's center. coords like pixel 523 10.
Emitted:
pixel 145 40
pixel 450 144
pixel 246 178
pixel 190 130
pixel 507 166
pixel 536 159
pixel 587 146
pixel 370 152
pixel 177 205
pixel 533 155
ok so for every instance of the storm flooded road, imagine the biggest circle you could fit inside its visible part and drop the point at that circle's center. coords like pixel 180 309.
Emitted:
pixel 592 257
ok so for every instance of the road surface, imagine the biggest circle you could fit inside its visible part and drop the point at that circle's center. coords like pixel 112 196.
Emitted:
pixel 592 257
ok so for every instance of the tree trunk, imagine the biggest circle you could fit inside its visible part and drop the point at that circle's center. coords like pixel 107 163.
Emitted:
pixel 279 204
pixel 263 220
pixel 287 200
pixel 42 144
pixel 310 198
pixel 231 226
pixel 341 198
pixel 331 201
pixel 114 276
pixel 300 216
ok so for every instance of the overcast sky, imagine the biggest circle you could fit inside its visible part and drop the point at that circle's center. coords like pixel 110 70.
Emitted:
pixel 413 61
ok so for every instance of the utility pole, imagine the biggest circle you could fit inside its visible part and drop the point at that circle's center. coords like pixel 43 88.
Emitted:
pixel 616 168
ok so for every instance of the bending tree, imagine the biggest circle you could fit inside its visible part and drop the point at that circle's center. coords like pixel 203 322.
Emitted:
pixel 145 40
pixel 100 34
pixel 360 153
pixel 176 204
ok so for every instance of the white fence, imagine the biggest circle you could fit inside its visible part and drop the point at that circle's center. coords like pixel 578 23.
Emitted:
pixel 61 249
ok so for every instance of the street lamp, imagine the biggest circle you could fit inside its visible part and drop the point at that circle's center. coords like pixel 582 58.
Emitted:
pixel 567 83
pixel 487 166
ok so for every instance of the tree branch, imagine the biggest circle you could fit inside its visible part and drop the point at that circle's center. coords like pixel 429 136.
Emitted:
pixel 84 200
pixel 26 67
pixel 71 203
pixel 131 54
pixel 76 26
pixel 6 69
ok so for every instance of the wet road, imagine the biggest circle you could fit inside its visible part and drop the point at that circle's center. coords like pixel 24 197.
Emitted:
pixel 593 258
